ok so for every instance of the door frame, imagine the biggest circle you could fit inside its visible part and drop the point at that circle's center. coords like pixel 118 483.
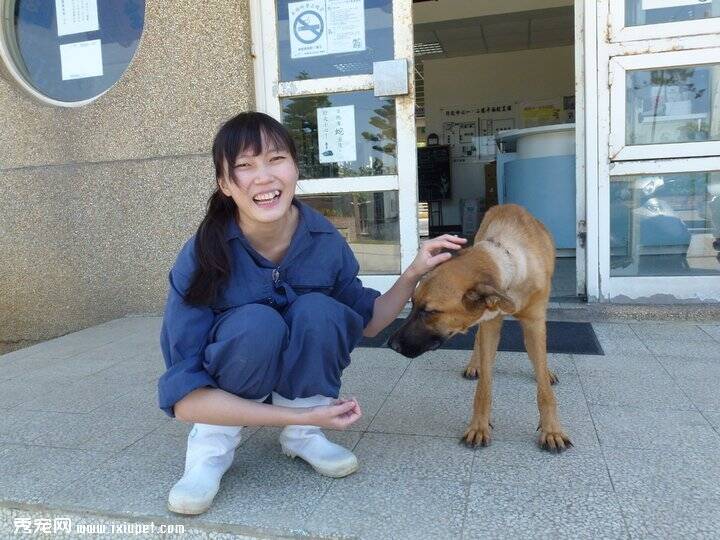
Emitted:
pixel 656 46
pixel 269 90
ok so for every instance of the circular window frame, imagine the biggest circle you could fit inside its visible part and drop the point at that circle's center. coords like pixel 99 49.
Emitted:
pixel 9 62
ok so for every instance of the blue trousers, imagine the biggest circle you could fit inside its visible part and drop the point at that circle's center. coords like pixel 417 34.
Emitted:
pixel 298 352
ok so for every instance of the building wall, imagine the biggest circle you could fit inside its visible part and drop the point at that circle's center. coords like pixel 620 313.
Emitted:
pixel 97 200
pixel 491 79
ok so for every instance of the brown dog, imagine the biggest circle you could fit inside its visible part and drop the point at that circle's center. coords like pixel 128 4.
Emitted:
pixel 507 271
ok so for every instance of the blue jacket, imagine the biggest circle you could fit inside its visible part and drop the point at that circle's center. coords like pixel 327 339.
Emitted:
pixel 318 260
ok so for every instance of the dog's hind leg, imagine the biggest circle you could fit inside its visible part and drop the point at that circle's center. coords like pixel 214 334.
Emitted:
pixel 552 436
pixel 479 432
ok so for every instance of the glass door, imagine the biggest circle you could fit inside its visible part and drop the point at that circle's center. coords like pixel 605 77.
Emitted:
pixel 336 73
pixel 659 155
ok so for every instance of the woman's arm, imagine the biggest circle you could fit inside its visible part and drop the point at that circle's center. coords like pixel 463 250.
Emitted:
pixel 216 406
pixel 391 303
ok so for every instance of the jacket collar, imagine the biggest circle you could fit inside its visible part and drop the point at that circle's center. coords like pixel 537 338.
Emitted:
pixel 310 219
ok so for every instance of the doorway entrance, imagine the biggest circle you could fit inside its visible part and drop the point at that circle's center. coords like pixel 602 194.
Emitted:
pixel 495 116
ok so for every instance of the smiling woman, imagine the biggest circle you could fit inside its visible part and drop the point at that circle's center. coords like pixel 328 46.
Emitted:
pixel 69 52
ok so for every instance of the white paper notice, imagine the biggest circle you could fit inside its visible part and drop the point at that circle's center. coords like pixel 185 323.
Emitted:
pixel 320 27
pixel 75 16
pixel 345 25
pixel 660 4
pixel 336 134
pixel 81 60
pixel 308 35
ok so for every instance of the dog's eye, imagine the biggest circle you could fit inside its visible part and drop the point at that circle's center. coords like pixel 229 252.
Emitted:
pixel 429 311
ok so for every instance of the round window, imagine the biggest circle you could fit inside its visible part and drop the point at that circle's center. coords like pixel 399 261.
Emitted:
pixel 69 52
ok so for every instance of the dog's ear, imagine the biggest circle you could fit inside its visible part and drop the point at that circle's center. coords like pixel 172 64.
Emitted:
pixel 485 295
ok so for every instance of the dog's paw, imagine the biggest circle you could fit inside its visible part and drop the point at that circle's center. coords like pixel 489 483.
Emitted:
pixel 477 435
pixel 553 378
pixel 554 440
pixel 471 372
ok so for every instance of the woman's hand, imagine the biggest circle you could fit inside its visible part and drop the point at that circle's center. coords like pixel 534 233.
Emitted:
pixel 430 254
pixel 339 415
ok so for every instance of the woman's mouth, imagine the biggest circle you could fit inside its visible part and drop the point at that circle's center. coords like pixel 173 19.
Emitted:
pixel 267 199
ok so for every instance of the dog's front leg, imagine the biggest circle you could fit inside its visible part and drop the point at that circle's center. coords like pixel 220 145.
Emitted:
pixel 486 344
pixel 552 436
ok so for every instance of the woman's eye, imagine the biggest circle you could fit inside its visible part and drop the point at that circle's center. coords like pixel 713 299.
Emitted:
pixel 241 165
pixel 277 158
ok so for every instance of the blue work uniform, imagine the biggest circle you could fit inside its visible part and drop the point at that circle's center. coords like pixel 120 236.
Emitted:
pixel 285 327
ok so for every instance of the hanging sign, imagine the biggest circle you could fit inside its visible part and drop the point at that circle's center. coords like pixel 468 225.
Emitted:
pixel 336 134
pixel 75 16
pixel 320 27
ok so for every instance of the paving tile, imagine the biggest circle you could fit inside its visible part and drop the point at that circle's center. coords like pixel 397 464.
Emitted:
pixel 712 330
pixel 30 473
pixel 649 332
pixel 699 379
pixel 264 488
pixel 367 381
pixel 128 483
pixel 613 331
pixel 90 392
pixel 23 427
pixel 713 418
pixel 369 507
pixel 639 382
pixel 615 364
pixel 108 429
pixel 505 362
pixel 662 470
pixel 625 346
pixel 377 358
pixel 411 456
pixel 510 462
pixel 640 428
pixel 521 511
pixel 682 514
pixel 697 350
pixel 449 417
pixel 422 415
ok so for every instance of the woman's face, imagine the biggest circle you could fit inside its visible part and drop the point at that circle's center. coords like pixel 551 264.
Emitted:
pixel 264 184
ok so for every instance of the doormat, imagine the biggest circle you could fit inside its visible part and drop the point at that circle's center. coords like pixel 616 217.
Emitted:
pixel 562 337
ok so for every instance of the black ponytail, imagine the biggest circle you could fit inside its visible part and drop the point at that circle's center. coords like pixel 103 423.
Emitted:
pixel 245 132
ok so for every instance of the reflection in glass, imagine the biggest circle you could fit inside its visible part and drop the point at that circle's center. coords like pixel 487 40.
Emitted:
pixel 665 225
pixel 673 105
pixel 642 12
pixel 378 22
pixel 369 222
pixel 375 134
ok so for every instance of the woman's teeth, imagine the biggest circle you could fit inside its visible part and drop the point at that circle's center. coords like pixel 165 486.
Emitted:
pixel 265 197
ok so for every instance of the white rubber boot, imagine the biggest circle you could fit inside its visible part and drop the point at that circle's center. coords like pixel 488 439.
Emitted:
pixel 210 452
pixel 310 444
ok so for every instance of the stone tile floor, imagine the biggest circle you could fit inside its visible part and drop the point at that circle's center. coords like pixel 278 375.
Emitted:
pixel 81 437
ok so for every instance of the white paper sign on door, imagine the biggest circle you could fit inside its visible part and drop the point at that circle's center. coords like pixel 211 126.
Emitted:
pixel 336 134
pixel 81 60
pixel 345 26
pixel 75 16
pixel 320 27
pixel 661 4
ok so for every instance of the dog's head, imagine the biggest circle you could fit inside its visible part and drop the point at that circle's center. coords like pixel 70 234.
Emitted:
pixel 449 300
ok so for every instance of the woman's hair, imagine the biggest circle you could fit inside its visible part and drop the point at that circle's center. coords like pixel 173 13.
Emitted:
pixel 245 132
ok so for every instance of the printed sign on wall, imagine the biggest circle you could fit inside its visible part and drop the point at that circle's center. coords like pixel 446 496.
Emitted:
pixel 320 27
pixel 81 60
pixel 75 16
pixel 336 134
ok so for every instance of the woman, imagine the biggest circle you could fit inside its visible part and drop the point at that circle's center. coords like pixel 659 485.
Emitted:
pixel 264 299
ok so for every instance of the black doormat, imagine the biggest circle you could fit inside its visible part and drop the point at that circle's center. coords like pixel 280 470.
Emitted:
pixel 562 337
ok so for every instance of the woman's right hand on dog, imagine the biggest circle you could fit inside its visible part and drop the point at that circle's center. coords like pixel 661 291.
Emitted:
pixel 339 415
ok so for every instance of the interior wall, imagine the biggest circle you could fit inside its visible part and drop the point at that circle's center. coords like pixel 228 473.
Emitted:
pixel 491 79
